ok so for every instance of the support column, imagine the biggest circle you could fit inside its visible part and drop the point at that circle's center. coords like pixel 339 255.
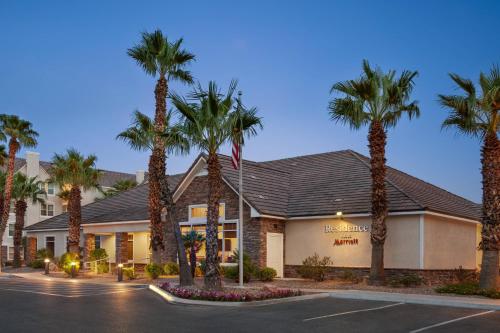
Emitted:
pixel 121 241
pixel 31 250
pixel 89 246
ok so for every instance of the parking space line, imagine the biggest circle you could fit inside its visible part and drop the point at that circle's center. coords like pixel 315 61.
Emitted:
pixel 451 321
pixel 354 311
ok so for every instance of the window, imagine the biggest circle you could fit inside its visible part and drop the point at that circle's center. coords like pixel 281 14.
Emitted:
pixel 97 242
pixel 50 188
pixel 11 252
pixel 50 243
pixel 130 247
pixel 199 212
pixel 11 230
pixel 65 208
pixel 47 209
pixel 226 238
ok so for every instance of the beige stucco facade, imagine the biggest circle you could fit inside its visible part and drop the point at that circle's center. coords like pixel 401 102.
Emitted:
pixel 305 237
pixel 449 243
pixel 418 241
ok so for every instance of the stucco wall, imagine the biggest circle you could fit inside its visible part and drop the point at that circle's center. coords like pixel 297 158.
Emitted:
pixel 449 243
pixel 305 237
pixel 59 237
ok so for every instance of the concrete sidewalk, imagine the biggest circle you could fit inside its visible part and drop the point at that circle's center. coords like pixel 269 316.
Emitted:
pixel 453 301
pixel 40 276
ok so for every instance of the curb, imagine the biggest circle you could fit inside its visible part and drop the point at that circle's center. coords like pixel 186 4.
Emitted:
pixel 176 300
pixel 452 301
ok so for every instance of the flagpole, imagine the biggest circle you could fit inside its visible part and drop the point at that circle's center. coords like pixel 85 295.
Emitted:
pixel 240 238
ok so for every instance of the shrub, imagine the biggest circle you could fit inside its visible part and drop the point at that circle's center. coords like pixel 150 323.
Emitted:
pixel 153 271
pixel 66 260
pixel 468 288
pixel 249 268
pixel 349 275
pixel 37 263
pixel 43 254
pixel 314 268
pixel 102 266
pixel 171 268
pixel 129 273
pixel 267 274
pixel 410 280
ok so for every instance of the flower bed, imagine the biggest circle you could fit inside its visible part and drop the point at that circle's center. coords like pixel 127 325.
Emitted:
pixel 229 296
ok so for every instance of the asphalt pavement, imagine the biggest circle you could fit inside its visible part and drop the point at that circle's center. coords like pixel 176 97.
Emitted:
pixel 55 306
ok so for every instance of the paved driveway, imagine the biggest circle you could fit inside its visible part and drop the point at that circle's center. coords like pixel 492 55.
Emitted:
pixel 27 306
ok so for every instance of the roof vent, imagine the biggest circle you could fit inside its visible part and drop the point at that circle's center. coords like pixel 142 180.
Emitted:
pixel 294 163
pixel 261 196
pixel 253 177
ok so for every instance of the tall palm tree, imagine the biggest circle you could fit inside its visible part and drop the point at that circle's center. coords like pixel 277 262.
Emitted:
pixel 166 60
pixel 379 100
pixel 77 172
pixel 193 240
pixel 478 115
pixel 141 136
pixel 209 122
pixel 25 188
pixel 120 186
pixel 20 133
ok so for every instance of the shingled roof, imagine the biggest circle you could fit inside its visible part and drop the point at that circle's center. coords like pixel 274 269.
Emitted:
pixel 107 179
pixel 303 186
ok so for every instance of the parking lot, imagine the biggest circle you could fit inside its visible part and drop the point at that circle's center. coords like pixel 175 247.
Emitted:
pixel 43 306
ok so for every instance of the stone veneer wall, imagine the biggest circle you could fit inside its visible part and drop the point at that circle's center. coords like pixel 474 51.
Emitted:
pixel 430 276
pixel 255 237
pixel 121 253
pixel 255 229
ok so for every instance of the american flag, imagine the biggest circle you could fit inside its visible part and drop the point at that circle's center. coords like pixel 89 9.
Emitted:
pixel 236 155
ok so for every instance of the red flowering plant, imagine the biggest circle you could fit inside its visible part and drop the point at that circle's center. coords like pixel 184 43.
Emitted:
pixel 228 296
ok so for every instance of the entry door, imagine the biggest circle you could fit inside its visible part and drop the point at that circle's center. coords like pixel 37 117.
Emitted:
pixel 275 252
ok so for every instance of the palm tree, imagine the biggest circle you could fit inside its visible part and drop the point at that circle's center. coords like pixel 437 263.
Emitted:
pixel 20 134
pixel 379 100
pixel 141 136
pixel 120 186
pixel 193 240
pixel 209 122
pixel 25 188
pixel 478 115
pixel 77 172
pixel 166 60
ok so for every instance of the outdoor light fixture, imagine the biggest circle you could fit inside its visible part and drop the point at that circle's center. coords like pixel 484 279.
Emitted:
pixel 73 269
pixel 120 272
pixel 47 261
pixel 339 214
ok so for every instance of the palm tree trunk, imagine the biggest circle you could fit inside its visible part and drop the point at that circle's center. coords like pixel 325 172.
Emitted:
pixel 192 258
pixel 212 275
pixel 185 278
pixel 157 171
pixel 13 147
pixel 75 219
pixel 377 141
pixel 490 233
pixel 18 231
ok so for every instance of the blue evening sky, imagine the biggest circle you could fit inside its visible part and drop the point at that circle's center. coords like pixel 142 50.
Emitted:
pixel 63 66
